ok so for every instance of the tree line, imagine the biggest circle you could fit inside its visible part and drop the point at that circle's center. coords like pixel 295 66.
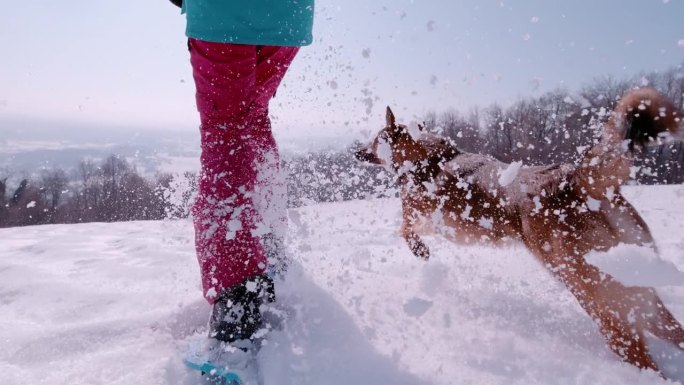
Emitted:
pixel 108 191
pixel 556 126
pixel 112 190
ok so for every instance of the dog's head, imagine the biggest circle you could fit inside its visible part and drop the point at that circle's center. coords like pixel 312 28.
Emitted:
pixel 393 146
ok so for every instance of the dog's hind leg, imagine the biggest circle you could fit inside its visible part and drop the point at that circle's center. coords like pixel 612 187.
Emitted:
pixel 617 309
pixel 635 310
pixel 630 228
pixel 656 318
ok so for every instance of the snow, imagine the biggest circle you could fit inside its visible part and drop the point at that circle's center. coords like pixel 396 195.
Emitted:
pixel 508 175
pixel 593 204
pixel 638 266
pixel 114 303
pixel 384 151
pixel 416 307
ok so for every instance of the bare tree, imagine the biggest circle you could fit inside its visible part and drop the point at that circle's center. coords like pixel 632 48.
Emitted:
pixel 26 206
pixel 3 202
pixel 53 185
pixel 113 171
pixel 90 194
pixel 430 121
pixel 604 92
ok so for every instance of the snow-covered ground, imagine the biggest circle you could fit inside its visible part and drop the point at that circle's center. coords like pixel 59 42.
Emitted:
pixel 114 303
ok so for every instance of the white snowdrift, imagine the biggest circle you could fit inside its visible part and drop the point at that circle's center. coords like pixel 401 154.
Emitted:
pixel 112 304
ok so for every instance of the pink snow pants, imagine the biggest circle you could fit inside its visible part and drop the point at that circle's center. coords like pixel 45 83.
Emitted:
pixel 240 160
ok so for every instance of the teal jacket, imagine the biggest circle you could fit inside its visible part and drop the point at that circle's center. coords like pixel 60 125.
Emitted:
pixel 258 22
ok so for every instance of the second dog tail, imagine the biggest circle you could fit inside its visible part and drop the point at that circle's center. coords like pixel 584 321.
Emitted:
pixel 640 117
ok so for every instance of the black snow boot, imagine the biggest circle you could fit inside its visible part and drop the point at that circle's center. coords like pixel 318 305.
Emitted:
pixel 237 315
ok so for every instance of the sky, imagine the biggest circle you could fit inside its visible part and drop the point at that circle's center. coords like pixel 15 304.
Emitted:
pixel 124 63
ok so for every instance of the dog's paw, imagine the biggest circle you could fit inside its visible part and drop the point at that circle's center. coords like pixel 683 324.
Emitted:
pixel 418 247
pixel 422 252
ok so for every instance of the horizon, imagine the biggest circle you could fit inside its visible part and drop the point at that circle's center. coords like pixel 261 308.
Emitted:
pixel 21 124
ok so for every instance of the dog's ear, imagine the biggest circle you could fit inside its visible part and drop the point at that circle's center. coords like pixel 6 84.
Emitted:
pixel 389 117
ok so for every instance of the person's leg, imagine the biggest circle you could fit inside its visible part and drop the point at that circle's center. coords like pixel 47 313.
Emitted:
pixel 240 165
pixel 271 193
pixel 224 215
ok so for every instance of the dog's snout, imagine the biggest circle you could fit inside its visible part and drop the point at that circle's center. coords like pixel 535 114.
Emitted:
pixel 366 155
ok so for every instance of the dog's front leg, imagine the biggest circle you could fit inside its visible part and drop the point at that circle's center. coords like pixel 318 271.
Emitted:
pixel 417 246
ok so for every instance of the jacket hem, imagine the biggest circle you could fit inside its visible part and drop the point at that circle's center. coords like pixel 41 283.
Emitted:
pixel 280 42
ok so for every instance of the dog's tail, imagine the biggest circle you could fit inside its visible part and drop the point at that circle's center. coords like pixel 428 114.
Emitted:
pixel 641 116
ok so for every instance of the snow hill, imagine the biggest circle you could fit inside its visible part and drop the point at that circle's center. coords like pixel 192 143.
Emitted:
pixel 114 303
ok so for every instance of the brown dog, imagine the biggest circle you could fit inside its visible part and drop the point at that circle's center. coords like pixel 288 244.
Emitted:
pixel 560 212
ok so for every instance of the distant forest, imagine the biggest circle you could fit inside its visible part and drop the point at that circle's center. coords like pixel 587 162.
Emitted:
pixel 551 128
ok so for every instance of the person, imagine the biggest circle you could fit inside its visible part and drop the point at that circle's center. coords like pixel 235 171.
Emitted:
pixel 240 52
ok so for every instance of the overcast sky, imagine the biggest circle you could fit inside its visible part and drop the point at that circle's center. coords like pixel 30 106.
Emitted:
pixel 125 63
